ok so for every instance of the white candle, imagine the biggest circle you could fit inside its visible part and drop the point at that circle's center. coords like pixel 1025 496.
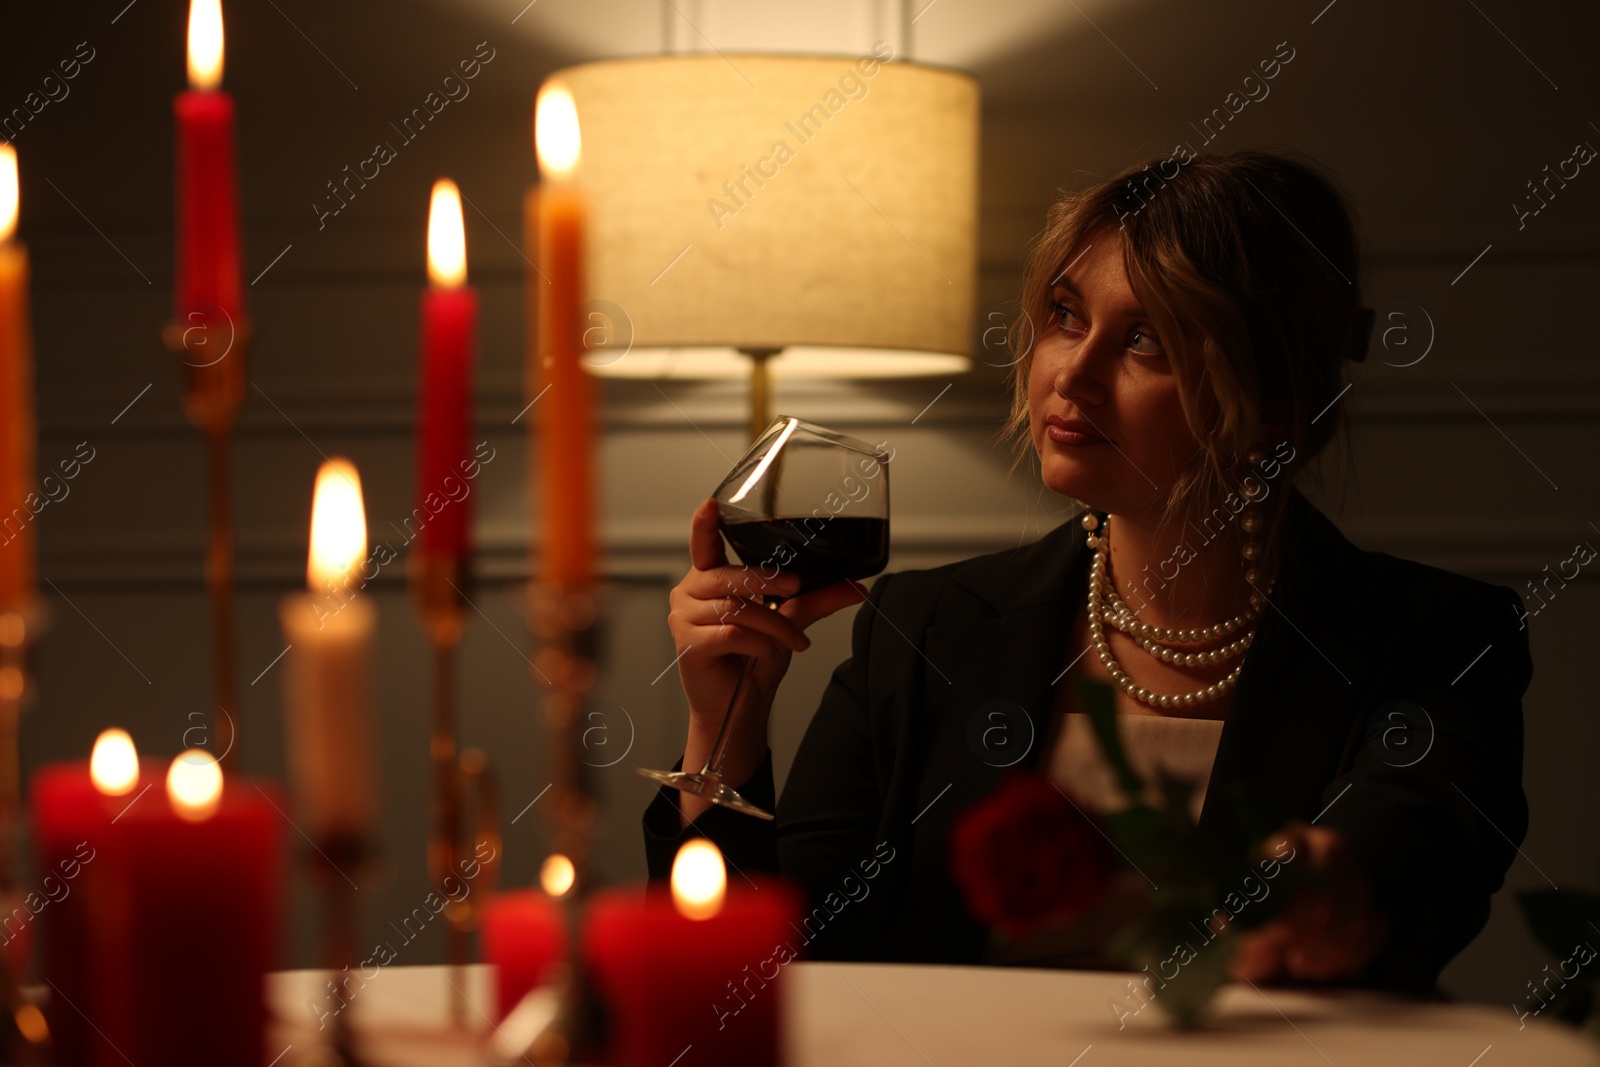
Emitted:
pixel 327 688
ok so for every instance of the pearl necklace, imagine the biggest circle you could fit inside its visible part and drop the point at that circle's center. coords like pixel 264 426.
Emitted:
pixel 1106 607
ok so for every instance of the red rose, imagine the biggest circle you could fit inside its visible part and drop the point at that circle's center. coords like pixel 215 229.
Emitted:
pixel 1026 857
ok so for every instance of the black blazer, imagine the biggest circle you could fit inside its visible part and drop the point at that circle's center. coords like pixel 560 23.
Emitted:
pixel 896 750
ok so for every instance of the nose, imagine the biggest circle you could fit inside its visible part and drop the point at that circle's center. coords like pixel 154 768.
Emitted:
pixel 1079 370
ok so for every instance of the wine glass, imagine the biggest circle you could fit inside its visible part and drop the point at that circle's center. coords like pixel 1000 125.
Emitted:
pixel 807 501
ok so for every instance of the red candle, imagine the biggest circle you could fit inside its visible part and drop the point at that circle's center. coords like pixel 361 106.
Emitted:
pixel 523 936
pixel 694 969
pixel 204 880
pixel 566 419
pixel 208 279
pixel 76 813
pixel 449 329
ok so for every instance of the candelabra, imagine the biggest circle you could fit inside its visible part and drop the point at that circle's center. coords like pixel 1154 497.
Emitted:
pixel 566 625
pixel 335 857
pixel 24 1035
pixel 213 356
pixel 437 581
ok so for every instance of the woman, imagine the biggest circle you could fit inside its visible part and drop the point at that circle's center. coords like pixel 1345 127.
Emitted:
pixel 1180 357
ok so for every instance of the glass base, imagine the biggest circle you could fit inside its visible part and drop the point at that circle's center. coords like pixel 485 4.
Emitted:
pixel 707 785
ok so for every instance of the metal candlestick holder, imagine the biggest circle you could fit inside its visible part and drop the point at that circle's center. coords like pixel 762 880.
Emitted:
pixel 336 855
pixel 566 624
pixel 24 1034
pixel 437 583
pixel 213 357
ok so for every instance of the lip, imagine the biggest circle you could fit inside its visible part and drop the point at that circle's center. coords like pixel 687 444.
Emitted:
pixel 1071 432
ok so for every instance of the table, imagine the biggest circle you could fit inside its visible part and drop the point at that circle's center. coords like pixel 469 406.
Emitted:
pixel 889 1014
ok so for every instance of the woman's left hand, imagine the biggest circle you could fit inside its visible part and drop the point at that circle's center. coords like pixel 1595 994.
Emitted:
pixel 1326 933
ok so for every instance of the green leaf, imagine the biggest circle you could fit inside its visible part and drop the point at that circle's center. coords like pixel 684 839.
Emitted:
pixel 1142 833
pixel 1100 700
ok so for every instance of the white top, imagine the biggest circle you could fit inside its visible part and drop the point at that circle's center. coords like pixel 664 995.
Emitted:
pixel 1182 747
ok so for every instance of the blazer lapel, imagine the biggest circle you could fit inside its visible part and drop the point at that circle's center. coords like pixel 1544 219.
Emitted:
pixel 1305 677
pixel 1011 617
pixel 996 644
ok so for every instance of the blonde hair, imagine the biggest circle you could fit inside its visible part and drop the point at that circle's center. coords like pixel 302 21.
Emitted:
pixel 1248 265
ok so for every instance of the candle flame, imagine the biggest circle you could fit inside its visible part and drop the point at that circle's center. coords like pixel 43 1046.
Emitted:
pixel 699 879
pixel 447 239
pixel 556 137
pixel 194 785
pixel 31 1022
pixel 338 525
pixel 557 874
pixel 8 192
pixel 205 44
pixel 114 764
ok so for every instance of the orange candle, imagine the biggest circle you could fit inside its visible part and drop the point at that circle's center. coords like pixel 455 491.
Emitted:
pixel 16 400
pixel 566 410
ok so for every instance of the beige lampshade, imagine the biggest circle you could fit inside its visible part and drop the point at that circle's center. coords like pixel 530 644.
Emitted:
pixel 822 205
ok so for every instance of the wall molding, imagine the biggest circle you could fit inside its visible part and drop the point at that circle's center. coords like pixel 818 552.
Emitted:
pixel 1381 396
pixel 652 549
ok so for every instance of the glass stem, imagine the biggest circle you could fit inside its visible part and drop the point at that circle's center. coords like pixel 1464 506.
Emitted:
pixel 719 748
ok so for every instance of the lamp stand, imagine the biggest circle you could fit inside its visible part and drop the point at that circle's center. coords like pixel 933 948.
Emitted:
pixel 760 388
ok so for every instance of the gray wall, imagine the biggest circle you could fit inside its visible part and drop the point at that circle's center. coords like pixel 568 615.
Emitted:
pixel 1478 458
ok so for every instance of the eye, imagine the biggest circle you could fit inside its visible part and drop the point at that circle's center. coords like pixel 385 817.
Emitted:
pixel 1066 318
pixel 1150 342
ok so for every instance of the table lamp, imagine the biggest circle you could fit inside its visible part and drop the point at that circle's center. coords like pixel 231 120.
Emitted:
pixel 778 216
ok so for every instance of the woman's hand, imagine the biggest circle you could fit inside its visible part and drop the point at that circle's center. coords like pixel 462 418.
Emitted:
pixel 1326 933
pixel 717 618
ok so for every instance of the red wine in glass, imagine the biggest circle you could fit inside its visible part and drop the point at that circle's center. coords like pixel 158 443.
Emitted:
pixel 819 551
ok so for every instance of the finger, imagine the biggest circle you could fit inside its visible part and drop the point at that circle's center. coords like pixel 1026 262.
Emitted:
pixel 704 644
pixel 1330 940
pixel 1357 926
pixel 738 612
pixel 1324 957
pixel 820 603
pixel 751 583
pixel 1288 845
pixel 1347 896
pixel 705 537
pixel 1259 954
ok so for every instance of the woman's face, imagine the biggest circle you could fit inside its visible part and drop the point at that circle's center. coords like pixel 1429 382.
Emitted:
pixel 1098 362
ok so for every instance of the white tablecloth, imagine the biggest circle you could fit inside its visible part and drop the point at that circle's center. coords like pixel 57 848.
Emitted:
pixel 884 1015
